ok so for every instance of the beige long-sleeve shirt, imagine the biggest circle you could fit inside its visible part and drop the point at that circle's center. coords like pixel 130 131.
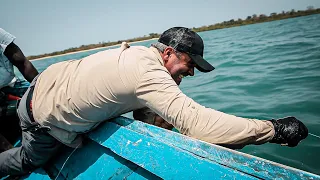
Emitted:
pixel 73 97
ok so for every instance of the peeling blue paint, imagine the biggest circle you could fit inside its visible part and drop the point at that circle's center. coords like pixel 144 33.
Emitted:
pixel 126 149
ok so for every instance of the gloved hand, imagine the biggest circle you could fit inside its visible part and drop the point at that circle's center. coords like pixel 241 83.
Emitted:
pixel 289 131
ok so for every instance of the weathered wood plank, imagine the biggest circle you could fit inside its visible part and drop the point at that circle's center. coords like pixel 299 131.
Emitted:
pixel 236 160
pixel 94 161
pixel 38 174
pixel 142 174
pixel 160 158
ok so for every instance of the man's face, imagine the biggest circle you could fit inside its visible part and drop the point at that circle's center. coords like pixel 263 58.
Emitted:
pixel 179 65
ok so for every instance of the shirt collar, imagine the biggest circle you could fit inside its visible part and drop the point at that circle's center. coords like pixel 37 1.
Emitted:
pixel 156 52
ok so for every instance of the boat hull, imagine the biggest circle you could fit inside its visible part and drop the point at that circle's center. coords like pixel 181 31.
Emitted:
pixel 126 149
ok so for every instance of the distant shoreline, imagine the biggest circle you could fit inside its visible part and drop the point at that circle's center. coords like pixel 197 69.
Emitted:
pixel 254 19
pixel 37 59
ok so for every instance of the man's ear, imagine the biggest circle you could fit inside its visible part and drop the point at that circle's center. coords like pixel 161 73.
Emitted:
pixel 166 53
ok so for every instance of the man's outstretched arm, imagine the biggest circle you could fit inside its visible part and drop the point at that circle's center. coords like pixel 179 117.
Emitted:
pixel 17 58
pixel 159 92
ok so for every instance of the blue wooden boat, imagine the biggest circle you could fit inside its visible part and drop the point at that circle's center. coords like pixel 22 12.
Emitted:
pixel 126 149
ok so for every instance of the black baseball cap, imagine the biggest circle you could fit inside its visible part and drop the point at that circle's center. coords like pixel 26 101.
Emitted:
pixel 187 41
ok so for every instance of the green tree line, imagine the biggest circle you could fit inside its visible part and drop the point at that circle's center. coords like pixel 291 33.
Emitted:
pixel 225 24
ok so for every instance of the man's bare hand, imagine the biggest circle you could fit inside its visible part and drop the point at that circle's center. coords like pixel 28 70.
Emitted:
pixel 160 122
pixel 148 116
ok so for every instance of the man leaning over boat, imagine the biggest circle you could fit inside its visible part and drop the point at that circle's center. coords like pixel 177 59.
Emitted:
pixel 73 97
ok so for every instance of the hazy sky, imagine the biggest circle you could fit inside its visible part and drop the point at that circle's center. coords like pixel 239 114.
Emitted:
pixel 47 26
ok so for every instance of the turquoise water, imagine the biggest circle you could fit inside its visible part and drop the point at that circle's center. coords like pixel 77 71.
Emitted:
pixel 264 71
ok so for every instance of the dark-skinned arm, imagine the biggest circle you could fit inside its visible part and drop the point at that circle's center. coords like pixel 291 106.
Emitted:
pixel 148 116
pixel 17 58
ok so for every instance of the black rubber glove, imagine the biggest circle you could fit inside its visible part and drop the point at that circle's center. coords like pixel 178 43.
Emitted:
pixel 289 131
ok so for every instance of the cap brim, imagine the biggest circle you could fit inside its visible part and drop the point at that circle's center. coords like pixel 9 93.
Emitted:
pixel 202 65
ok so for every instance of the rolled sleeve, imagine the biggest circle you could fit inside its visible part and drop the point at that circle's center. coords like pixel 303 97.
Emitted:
pixel 158 91
pixel 5 39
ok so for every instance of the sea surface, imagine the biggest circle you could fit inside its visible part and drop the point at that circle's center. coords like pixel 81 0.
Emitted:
pixel 268 70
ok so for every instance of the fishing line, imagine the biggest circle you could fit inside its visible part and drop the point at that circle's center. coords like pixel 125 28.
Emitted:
pixel 314 135
pixel 66 161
